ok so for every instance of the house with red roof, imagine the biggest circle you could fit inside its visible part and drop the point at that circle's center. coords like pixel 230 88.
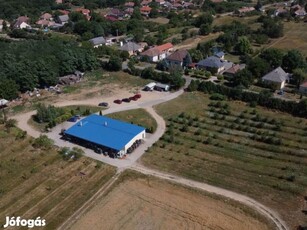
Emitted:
pixel 145 10
pixel 85 12
pixel 22 22
pixel 157 53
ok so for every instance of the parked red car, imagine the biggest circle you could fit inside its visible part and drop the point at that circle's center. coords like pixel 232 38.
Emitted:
pixel 138 96
pixel 133 98
pixel 118 101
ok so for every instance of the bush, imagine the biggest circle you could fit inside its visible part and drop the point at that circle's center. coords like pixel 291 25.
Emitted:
pixel 217 96
pixel 43 142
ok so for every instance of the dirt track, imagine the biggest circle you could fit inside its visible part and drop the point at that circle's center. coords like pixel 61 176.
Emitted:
pixel 152 204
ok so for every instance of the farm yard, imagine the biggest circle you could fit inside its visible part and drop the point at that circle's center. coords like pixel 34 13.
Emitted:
pixel 141 202
pixel 226 143
pixel 38 182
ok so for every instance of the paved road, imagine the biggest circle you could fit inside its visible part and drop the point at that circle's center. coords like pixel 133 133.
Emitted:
pixel 130 161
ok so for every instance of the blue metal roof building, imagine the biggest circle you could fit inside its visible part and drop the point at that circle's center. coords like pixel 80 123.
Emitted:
pixel 105 131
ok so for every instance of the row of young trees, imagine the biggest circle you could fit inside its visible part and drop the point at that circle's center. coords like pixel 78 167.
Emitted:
pixel 263 98
pixel 25 65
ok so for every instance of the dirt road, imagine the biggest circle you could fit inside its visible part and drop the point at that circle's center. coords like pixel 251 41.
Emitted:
pixel 270 214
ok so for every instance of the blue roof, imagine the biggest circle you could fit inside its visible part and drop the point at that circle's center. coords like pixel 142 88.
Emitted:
pixel 105 131
pixel 220 54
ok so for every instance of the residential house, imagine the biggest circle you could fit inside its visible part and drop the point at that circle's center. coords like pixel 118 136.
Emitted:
pixel 276 79
pixel 213 64
pixel 62 19
pixel 129 4
pixel 22 23
pixel 145 10
pixel 300 12
pixel 160 2
pixel 230 73
pixel 220 55
pixel 129 11
pixel 59 1
pixel 179 58
pixel 242 11
pixel 64 12
pixel 85 12
pixel 46 16
pixel 98 41
pixel 280 11
pixel 3 102
pixel 45 20
pixel 303 88
pixel 116 14
pixel 132 48
pixel 157 53
pixel 146 2
pixel 2 22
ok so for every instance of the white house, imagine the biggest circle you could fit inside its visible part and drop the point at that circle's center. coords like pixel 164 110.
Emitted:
pixel 158 53
pixel 277 78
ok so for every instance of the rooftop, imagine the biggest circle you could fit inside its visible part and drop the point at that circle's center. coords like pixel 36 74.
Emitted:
pixel 98 40
pixel 276 75
pixel 104 131
pixel 178 55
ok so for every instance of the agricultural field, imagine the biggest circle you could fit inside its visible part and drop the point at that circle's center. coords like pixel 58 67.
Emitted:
pixel 254 151
pixel 36 182
pixel 141 202
pixel 136 116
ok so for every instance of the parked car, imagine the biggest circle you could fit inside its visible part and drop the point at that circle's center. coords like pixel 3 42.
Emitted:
pixel 138 95
pixel 118 101
pixel 133 98
pixel 104 104
pixel 126 100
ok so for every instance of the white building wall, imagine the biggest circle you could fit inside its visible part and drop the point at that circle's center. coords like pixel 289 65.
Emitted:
pixel 141 136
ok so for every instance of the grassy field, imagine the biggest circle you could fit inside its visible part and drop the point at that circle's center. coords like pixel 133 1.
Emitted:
pixel 136 116
pixel 38 182
pixel 295 34
pixel 250 150
pixel 141 202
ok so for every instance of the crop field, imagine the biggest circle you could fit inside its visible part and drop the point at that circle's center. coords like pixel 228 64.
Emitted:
pixel 136 116
pixel 35 182
pixel 254 151
pixel 140 202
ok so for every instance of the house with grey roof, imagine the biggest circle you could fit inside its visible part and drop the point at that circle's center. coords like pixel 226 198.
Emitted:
pixel 213 64
pixel 98 41
pixel 132 48
pixel 276 79
pixel 62 19
pixel 303 88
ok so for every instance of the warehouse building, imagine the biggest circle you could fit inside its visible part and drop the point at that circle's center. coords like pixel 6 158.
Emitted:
pixel 106 135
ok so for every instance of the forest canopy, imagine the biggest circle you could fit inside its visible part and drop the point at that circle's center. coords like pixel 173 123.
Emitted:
pixel 32 64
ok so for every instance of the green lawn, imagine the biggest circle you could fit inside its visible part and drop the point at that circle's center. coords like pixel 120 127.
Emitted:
pixel 253 151
pixel 137 116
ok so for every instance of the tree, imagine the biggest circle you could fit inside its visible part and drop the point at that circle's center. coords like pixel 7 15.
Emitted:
pixel 137 14
pixel 258 67
pixel 243 78
pixel 299 76
pixel 10 123
pixel 115 63
pixel 43 142
pixel 8 89
pixel 293 60
pixel 205 18
pixel 243 46
pixel 273 57
pixel 205 29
